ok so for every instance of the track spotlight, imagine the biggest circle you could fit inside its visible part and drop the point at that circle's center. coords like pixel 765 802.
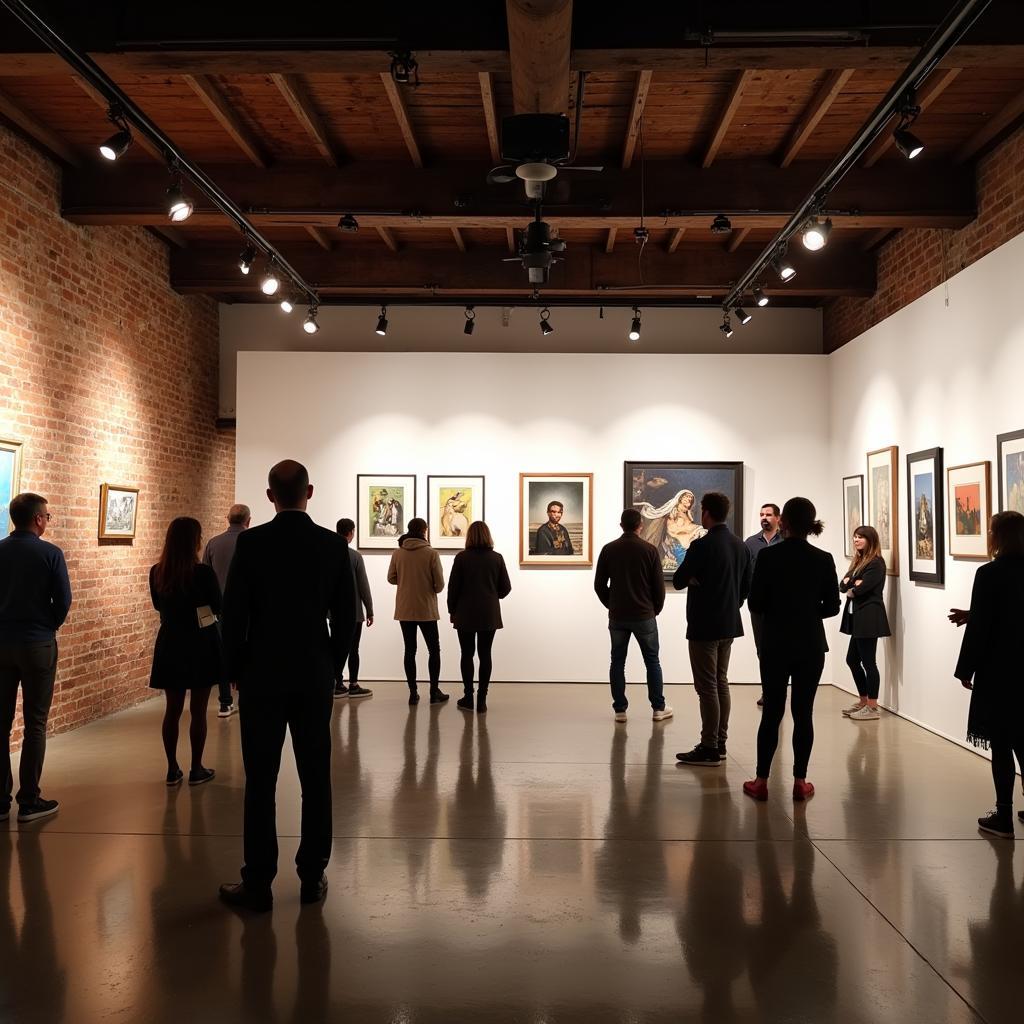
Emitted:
pixel 759 296
pixel 247 258
pixel 815 233
pixel 721 225
pixel 179 205
pixel 348 223
pixel 783 268
pixel 634 327
pixel 270 282
pixel 726 326
pixel 741 314
pixel 287 304
pixel 404 68
pixel 309 325
pixel 470 320
pixel 382 322
pixel 545 322
pixel 907 143
pixel 116 145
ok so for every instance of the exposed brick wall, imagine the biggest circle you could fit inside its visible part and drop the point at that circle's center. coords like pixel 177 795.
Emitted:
pixel 106 375
pixel 913 262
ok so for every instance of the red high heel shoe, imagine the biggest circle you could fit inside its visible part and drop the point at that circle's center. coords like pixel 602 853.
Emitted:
pixel 756 788
pixel 802 790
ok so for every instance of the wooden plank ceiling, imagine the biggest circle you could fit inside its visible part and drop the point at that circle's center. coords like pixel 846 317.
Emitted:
pixel 301 135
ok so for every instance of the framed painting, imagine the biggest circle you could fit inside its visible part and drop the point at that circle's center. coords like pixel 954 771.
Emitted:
pixel 10 481
pixel 882 507
pixel 119 510
pixel 453 503
pixel 385 502
pixel 853 510
pixel 556 519
pixel 1011 471
pixel 969 494
pixel 667 496
pixel 925 511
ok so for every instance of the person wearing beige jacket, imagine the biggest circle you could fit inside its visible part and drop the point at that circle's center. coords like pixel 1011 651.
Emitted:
pixel 416 570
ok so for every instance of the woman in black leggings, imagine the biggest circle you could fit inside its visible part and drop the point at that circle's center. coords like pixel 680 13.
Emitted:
pixel 794 588
pixel 864 620
pixel 478 582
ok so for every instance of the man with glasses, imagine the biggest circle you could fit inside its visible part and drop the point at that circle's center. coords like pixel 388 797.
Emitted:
pixel 35 595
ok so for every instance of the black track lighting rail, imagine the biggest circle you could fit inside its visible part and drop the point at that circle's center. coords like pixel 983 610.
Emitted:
pixel 176 160
pixel 954 26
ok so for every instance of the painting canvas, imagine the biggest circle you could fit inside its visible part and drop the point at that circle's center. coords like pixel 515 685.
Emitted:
pixel 667 495
pixel 970 508
pixel 384 505
pixel 882 510
pixel 1011 471
pixel 454 502
pixel 853 510
pixel 556 519
pixel 10 481
pixel 925 516
pixel 119 509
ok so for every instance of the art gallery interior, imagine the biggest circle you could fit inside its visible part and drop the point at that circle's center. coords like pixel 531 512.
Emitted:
pixel 463 285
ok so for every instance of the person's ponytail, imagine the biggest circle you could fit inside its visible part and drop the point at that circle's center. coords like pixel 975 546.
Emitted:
pixel 800 518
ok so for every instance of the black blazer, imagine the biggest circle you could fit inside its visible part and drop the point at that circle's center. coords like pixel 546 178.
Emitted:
pixel 864 615
pixel 477 583
pixel 287 576
pixel 794 588
pixel 717 571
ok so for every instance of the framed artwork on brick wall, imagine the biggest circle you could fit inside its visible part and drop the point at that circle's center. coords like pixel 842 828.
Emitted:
pixel 119 510
pixel 883 508
pixel 10 481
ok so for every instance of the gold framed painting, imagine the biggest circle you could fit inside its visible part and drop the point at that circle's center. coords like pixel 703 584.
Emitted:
pixel 10 481
pixel 883 507
pixel 556 520
pixel 119 510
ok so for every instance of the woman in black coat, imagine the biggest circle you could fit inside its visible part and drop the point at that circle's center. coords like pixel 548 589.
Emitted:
pixel 864 620
pixel 991 663
pixel 478 582
pixel 187 657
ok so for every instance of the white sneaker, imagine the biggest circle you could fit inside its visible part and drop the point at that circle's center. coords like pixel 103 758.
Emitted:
pixel 865 714
pixel 853 707
pixel 665 712
pixel 620 716
pixel 227 711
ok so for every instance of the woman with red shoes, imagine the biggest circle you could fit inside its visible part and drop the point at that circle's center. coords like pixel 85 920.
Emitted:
pixel 795 588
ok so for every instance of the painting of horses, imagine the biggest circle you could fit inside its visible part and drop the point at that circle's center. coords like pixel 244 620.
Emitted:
pixel 453 502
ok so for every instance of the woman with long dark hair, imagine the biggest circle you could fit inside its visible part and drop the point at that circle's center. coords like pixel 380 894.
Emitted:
pixel 187 657
pixel 864 620
pixel 991 660
pixel 478 582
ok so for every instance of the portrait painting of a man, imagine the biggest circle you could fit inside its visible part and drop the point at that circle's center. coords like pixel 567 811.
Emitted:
pixel 556 519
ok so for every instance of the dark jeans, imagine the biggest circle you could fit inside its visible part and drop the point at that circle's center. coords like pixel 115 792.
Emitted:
pixel 775 676
pixel 709 660
pixel 34 667
pixel 1004 773
pixel 646 633
pixel 860 658
pixel 433 642
pixel 480 640
pixel 304 709
pixel 353 657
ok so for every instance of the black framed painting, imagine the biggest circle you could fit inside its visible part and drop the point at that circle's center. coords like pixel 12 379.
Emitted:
pixel 853 509
pixel 1010 463
pixel 925 515
pixel 667 496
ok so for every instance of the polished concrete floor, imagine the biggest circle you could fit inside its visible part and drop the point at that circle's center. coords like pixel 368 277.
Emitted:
pixel 539 864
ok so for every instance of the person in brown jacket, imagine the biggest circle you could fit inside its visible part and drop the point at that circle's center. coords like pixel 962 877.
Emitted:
pixel 416 570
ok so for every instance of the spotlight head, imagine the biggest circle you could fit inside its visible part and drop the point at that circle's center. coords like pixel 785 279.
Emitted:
pixel 470 320
pixel 247 258
pixel 179 205
pixel 907 143
pixel 725 326
pixel 742 315
pixel 784 268
pixel 287 304
pixel 815 233
pixel 721 225
pixel 404 68
pixel 759 296
pixel 270 282
pixel 116 145
pixel 348 223
pixel 545 323
pixel 309 325
pixel 634 327
pixel 382 322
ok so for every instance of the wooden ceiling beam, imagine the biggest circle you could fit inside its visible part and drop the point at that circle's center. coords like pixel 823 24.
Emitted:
pixel 213 98
pixel 320 237
pixel 510 240
pixel 172 235
pixel 997 123
pixel 460 242
pixel 38 132
pixel 388 238
pixel 875 238
pixel 830 88
pixel 636 113
pixel 402 117
pixel 609 243
pixel 539 49
pixel 294 91
pixel 725 117
pixel 677 237
pixel 737 239
pixel 490 116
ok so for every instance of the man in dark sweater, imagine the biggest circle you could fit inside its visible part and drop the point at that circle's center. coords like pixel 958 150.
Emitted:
pixel 35 595
pixel 717 573
pixel 629 583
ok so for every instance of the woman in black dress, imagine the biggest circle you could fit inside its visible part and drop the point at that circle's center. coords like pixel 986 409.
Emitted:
pixel 991 663
pixel 478 582
pixel 864 620
pixel 187 656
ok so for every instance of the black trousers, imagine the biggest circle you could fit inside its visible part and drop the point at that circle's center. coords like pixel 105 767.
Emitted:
pixel 861 659
pixel 776 672
pixel 34 668
pixel 1004 773
pixel 475 641
pixel 353 656
pixel 433 642
pixel 304 709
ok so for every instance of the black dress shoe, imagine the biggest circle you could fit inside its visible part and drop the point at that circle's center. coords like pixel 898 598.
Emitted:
pixel 313 892
pixel 437 697
pixel 414 697
pixel 236 894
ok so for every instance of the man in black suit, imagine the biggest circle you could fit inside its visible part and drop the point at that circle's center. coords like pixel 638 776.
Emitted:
pixel 716 571
pixel 286 577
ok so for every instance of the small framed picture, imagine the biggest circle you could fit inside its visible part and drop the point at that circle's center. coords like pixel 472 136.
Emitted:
pixel 969 494
pixel 853 510
pixel 119 509
pixel 882 506
pixel 10 481
pixel 1011 471
pixel 925 516
pixel 384 505
pixel 556 519
pixel 453 503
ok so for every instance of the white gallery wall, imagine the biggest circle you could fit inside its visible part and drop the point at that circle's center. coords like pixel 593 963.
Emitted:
pixel 501 414
pixel 946 371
